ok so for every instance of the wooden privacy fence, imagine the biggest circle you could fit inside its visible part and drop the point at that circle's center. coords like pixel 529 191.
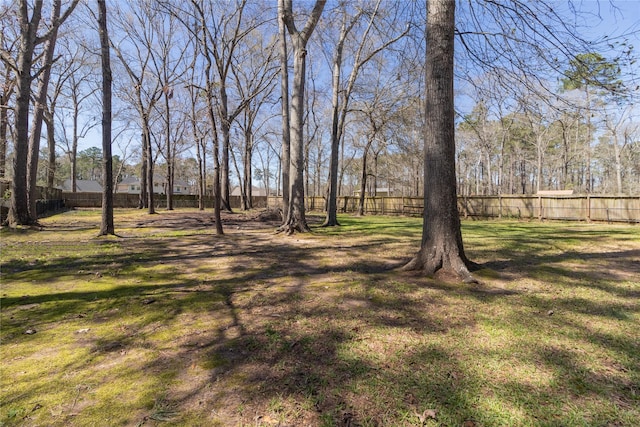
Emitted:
pixel 124 200
pixel 574 208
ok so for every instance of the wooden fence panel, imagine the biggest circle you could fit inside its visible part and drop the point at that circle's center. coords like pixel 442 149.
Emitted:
pixel 572 208
pixel 575 208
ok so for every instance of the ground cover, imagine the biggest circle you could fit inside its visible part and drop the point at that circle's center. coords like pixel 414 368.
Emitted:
pixel 169 324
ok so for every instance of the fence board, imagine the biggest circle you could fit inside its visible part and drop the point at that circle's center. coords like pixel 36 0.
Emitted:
pixel 555 207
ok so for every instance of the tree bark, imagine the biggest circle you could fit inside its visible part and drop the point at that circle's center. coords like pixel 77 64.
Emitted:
pixel 142 196
pixel 7 90
pixel 149 170
pixel 206 49
pixel 284 97
pixel 332 196
pixel 107 225
pixel 169 156
pixel 51 145
pixel 296 220
pixel 19 212
pixel 441 252
pixel 19 208
pixel 38 114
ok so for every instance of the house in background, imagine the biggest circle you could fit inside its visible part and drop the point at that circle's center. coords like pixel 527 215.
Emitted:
pixel 380 192
pixel 131 185
pixel 255 191
pixel 82 186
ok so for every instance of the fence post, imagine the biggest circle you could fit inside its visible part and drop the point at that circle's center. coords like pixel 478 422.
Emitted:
pixel 540 208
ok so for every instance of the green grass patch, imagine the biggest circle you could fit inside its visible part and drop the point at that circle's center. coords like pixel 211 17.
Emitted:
pixel 170 324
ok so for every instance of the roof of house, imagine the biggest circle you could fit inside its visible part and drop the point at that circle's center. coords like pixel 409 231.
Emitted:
pixel 158 179
pixel 83 186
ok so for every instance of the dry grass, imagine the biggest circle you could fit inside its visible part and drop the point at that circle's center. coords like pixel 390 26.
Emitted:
pixel 169 324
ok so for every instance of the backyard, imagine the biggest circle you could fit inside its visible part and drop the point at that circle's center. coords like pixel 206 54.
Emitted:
pixel 170 324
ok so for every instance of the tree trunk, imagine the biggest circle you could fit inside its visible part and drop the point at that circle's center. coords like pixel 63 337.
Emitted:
pixel 363 182
pixel 588 142
pixel 296 220
pixel 284 97
pixel 107 226
pixel 248 179
pixel 7 91
pixel 51 145
pixel 618 163
pixel 142 196
pixel 441 251
pixel 19 207
pixel 201 179
pixel 212 122
pixel 169 155
pixel 224 164
pixel 149 171
pixel 332 201
pixel 38 115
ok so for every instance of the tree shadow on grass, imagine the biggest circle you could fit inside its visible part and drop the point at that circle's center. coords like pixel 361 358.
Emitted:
pixel 249 330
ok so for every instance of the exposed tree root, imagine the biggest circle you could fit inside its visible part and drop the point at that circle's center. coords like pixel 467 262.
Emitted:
pixel 292 226
pixel 442 265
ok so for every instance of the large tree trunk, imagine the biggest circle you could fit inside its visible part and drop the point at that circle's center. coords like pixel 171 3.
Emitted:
pixel 19 208
pixel 296 220
pixel 38 114
pixel 107 226
pixel 284 97
pixel 441 251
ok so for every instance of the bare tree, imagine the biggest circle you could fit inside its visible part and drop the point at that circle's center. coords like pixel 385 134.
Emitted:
pixel 364 52
pixel 38 113
pixel 67 81
pixel 78 87
pixel 254 70
pixel 379 104
pixel 196 117
pixel 19 211
pixel 296 220
pixel 135 53
pixel 203 36
pixel 168 53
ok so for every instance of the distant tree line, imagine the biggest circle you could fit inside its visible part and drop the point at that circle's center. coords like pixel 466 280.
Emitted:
pixel 315 98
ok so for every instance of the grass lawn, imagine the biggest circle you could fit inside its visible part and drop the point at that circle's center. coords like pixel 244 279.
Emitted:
pixel 168 324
